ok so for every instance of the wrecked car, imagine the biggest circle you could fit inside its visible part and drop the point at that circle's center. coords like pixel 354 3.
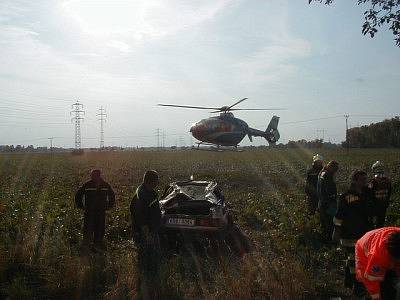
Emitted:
pixel 196 210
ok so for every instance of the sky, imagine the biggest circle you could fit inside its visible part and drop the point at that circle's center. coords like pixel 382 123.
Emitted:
pixel 128 56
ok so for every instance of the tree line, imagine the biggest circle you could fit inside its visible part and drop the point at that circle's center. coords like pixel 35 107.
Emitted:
pixel 376 135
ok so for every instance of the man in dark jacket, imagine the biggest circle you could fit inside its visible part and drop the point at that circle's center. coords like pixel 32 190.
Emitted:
pixel 311 183
pixel 145 209
pixel 352 222
pixel 146 218
pixel 327 194
pixel 94 197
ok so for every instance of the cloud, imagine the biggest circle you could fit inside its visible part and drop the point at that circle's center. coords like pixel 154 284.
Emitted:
pixel 137 20
pixel 273 62
pixel 120 46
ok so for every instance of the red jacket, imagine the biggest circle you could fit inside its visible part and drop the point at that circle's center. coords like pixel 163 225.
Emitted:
pixel 373 259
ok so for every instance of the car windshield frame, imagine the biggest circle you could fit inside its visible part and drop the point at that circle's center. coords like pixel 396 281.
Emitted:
pixel 196 190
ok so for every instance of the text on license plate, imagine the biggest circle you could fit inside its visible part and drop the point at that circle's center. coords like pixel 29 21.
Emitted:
pixel 177 221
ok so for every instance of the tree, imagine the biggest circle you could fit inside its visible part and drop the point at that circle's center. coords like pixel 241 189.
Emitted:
pixel 381 12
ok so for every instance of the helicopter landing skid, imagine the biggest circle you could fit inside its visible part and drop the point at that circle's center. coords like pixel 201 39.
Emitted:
pixel 217 148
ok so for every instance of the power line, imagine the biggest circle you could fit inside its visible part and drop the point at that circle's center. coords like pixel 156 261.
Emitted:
pixel 311 120
pixel 102 114
pixel 77 109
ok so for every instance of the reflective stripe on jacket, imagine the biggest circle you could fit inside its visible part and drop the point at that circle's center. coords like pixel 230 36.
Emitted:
pixel 373 259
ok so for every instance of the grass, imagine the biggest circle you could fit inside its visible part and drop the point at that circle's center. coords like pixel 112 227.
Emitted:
pixel 40 230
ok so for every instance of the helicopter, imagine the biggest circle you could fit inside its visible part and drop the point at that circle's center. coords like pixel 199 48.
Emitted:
pixel 225 129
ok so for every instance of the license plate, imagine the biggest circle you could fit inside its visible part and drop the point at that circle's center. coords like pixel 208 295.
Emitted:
pixel 178 221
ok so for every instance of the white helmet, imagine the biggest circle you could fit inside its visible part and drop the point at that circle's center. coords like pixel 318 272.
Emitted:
pixel 378 167
pixel 317 157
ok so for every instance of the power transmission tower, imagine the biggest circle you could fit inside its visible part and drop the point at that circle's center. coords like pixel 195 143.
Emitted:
pixel 77 110
pixel 323 131
pixel 158 134
pixel 347 130
pixel 51 143
pixel 181 142
pixel 163 138
pixel 102 114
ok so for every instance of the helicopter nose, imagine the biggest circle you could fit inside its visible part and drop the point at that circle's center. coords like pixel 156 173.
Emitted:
pixel 197 130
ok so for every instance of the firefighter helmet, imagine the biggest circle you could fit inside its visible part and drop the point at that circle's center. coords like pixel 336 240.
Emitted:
pixel 378 167
pixel 317 157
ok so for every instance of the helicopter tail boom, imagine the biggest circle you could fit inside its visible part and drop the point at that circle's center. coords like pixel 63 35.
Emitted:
pixel 271 134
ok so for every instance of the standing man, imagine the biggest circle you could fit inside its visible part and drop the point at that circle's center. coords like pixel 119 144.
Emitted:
pixel 94 197
pixel 327 194
pixel 146 218
pixel 352 222
pixel 312 182
pixel 378 262
pixel 380 190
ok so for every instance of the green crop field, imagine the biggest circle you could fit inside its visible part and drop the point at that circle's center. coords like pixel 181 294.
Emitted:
pixel 40 229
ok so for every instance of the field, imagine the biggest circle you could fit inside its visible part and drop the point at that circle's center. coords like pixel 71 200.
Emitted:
pixel 40 229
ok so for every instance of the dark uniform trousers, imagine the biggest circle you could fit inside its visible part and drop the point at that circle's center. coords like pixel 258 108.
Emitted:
pixel 94 226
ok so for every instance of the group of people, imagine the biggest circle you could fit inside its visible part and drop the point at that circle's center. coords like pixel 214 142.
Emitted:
pixel 356 218
pixel 96 196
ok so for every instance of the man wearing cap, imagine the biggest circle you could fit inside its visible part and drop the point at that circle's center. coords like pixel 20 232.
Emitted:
pixel 327 194
pixel 94 197
pixel 145 209
pixel 311 183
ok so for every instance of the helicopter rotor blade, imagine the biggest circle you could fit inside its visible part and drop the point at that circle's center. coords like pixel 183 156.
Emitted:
pixel 236 103
pixel 187 106
pixel 258 109
pixel 248 109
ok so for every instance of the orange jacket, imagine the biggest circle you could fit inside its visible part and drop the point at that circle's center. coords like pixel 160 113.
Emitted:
pixel 373 259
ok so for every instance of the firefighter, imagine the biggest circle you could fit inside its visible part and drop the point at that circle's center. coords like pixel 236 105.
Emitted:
pixel 327 194
pixel 378 262
pixel 380 189
pixel 146 218
pixel 311 183
pixel 352 222
pixel 94 197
